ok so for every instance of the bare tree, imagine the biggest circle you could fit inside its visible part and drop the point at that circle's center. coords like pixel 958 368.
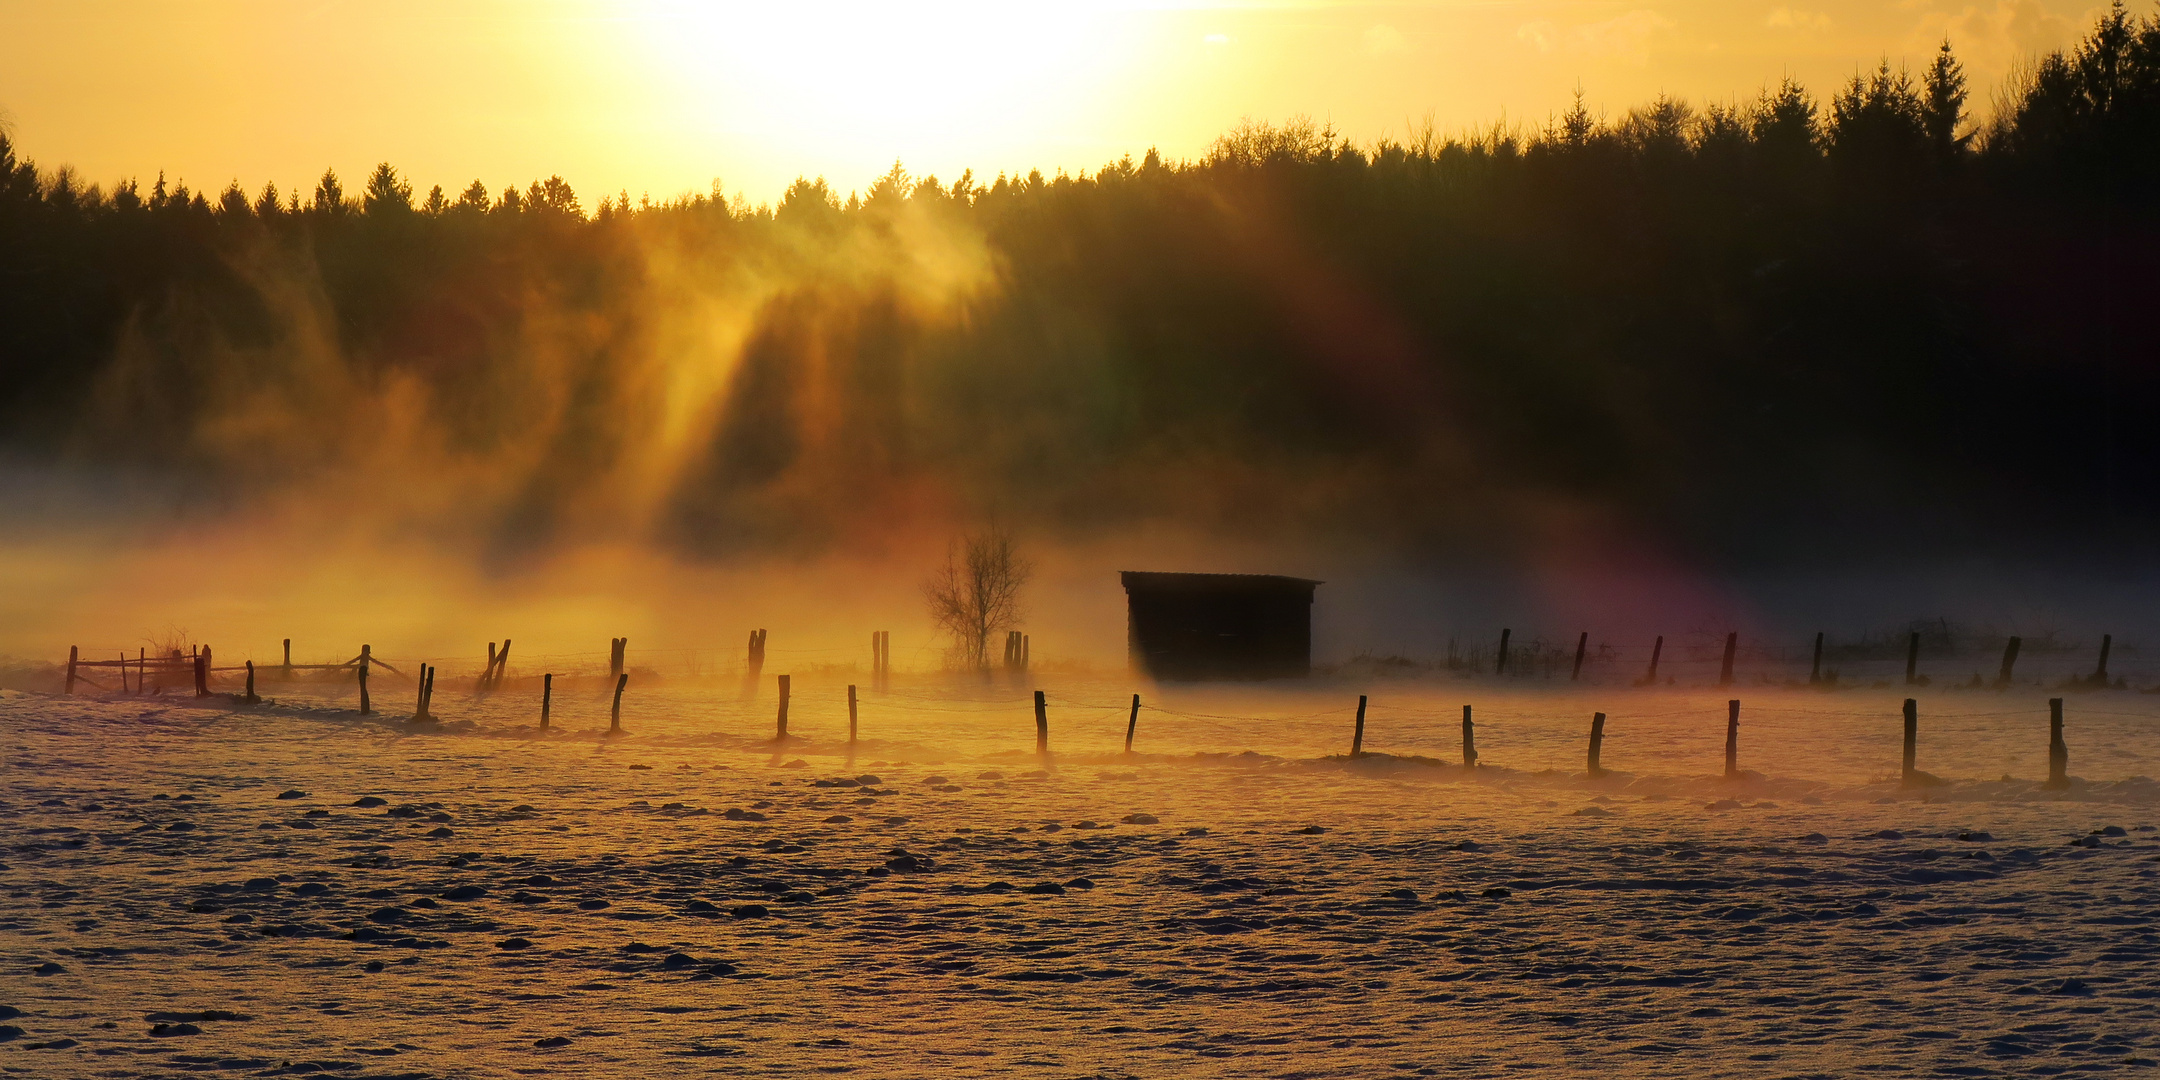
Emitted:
pixel 976 593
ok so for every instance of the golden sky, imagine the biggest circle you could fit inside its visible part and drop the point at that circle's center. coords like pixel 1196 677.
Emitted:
pixel 664 96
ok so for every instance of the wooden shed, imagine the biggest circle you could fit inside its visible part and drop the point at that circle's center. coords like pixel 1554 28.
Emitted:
pixel 1219 626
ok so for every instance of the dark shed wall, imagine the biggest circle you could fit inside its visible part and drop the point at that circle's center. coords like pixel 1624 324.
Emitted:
pixel 1219 626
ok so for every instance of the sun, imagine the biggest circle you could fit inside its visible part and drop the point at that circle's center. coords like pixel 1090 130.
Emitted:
pixel 867 80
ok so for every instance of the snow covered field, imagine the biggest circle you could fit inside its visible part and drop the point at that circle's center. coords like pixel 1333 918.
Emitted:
pixel 198 888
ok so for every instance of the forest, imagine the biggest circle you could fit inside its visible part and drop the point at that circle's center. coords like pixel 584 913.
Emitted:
pixel 1800 328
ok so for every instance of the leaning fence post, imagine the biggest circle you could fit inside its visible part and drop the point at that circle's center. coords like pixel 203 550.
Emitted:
pixel 489 674
pixel 2058 752
pixel 1657 649
pixel 72 651
pixel 2100 676
pixel 1732 645
pixel 1815 673
pixel 547 697
pixel 502 666
pixel 1912 742
pixel 1500 664
pixel 363 673
pixel 1357 734
pixel 1732 739
pixel 1597 743
pixel 1469 740
pixel 251 698
pixel 1582 645
pixel 2010 651
pixel 615 713
pixel 123 673
pixel 1132 722
pixel 1042 724
pixel 782 724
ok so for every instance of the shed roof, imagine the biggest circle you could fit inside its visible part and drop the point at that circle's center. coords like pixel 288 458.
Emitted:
pixel 1180 582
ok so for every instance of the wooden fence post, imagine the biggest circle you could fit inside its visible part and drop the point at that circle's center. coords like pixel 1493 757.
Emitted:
pixel 1025 654
pixel 365 656
pixel 123 673
pixel 1912 742
pixel 1732 645
pixel 547 697
pixel 1357 734
pixel 615 713
pixel 1500 664
pixel 287 673
pixel 1469 740
pixel 250 699
pixel 1912 659
pixel 1732 739
pixel 782 723
pixel 1582 645
pixel 2100 676
pixel 502 666
pixel 202 672
pixel 73 650
pixel 851 714
pixel 1132 722
pixel 2010 651
pixel 2058 751
pixel 1656 650
pixel 1815 673
pixel 1597 743
pixel 489 673
pixel 1042 724
pixel 877 660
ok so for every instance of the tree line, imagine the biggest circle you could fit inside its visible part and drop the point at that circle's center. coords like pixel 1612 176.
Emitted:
pixel 1745 327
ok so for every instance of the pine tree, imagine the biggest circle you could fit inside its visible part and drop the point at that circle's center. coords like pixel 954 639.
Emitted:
pixel 329 194
pixel 386 193
pixel 1944 105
